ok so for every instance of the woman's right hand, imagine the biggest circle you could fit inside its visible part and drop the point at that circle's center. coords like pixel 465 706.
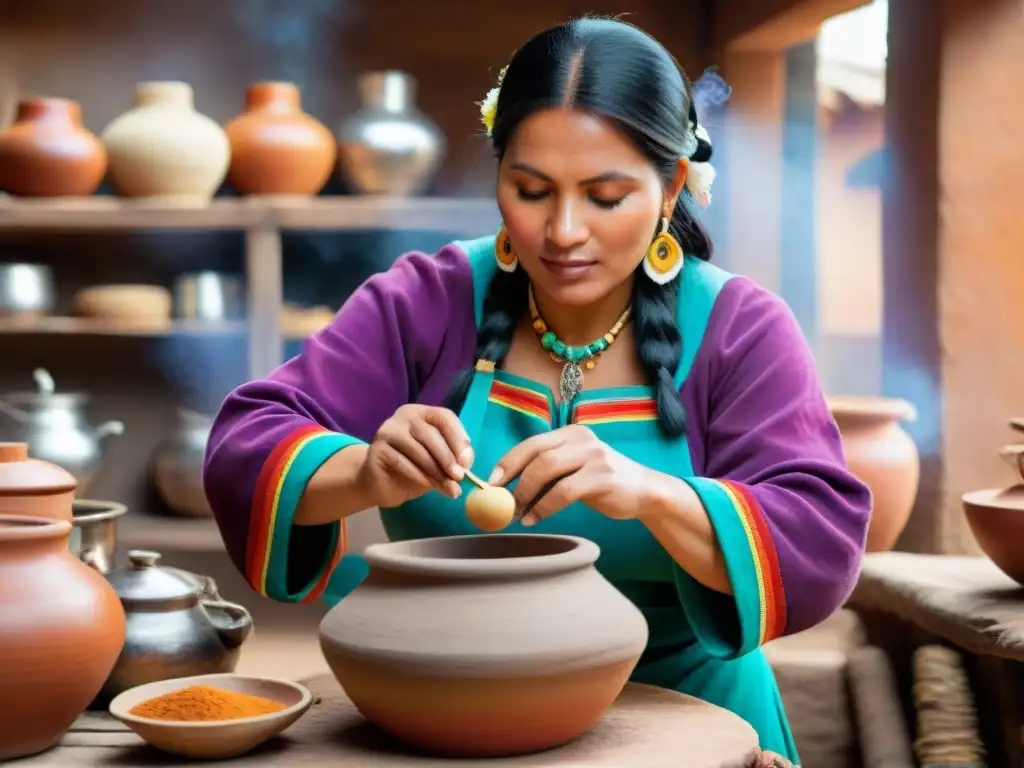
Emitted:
pixel 420 448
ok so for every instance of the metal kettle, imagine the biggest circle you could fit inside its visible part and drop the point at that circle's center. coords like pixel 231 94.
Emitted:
pixel 173 629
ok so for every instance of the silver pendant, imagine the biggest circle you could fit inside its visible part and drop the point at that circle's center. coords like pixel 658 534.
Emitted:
pixel 571 382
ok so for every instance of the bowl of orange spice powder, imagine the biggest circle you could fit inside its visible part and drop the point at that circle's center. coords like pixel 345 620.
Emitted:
pixel 211 716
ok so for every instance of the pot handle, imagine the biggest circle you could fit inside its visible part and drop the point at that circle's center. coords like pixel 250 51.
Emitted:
pixel 108 428
pixel 234 631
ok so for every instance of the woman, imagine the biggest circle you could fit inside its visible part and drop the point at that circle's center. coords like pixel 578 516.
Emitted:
pixel 672 411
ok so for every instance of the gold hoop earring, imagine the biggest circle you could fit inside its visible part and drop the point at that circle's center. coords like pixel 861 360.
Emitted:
pixel 664 257
pixel 504 252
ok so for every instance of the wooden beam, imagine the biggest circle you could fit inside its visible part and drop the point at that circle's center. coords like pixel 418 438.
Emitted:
pixel 772 25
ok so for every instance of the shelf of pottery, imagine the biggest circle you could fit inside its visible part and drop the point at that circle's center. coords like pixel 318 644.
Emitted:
pixel 167 165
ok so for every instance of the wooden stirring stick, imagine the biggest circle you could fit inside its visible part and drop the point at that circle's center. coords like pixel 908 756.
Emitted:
pixel 476 480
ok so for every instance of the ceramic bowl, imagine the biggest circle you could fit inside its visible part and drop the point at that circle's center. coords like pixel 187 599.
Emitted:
pixel 996 518
pixel 217 739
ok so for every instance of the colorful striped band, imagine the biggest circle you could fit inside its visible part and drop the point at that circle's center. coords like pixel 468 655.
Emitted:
pixel 521 399
pixel 276 496
pixel 771 596
pixel 611 411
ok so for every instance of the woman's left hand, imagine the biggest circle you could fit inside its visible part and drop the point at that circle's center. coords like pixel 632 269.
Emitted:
pixel 571 464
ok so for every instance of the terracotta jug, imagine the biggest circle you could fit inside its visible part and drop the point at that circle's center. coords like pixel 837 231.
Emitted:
pixel 276 148
pixel 882 456
pixel 61 630
pixel 32 487
pixel 488 645
pixel 162 148
pixel 47 152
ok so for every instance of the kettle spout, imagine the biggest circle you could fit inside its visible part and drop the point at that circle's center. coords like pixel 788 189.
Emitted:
pixel 231 621
pixel 108 428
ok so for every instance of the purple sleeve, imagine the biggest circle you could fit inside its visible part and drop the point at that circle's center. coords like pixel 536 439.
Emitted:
pixel 386 343
pixel 791 518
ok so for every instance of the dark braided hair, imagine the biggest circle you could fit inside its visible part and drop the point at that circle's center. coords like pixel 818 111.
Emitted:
pixel 615 70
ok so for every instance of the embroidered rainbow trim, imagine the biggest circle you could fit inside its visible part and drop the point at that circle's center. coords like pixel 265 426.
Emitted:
pixel 521 399
pixel 772 597
pixel 611 411
pixel 268 513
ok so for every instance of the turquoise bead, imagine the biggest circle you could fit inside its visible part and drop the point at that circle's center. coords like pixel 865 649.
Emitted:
pixel 558 348
pixel 548 340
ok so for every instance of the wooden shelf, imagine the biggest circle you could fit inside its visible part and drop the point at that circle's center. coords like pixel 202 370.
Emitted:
pixel 99 213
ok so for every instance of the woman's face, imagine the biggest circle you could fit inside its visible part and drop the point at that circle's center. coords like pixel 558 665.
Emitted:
pixel 580 203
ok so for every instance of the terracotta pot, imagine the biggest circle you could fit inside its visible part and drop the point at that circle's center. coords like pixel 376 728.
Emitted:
pixel 489 645
pixel 276 148
pixel 47 152
pixel 996 518
pixel 61 630
pixel 882 456
pixel 162 148
pixel 30 487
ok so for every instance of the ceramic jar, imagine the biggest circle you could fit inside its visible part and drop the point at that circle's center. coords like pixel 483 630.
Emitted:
pixel 883 457
pixel 47 152
pixel 61 630
pixel 33 488
pixel 162 148
pixel 276 148
pixel 389 146
pixel 464 646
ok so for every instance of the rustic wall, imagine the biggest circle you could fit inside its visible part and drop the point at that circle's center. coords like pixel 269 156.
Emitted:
pixel 953 280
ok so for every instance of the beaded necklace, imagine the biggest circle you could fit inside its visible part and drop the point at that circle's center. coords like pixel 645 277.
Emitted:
pixel 574 359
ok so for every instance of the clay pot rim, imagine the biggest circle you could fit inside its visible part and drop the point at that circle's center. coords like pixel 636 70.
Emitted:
pixel 872 406
pixel 994 499
pixel 25 528
pixel 568 553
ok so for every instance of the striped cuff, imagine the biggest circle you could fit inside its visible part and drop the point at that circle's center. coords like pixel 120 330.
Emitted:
pixel 278 490
pixel 753 567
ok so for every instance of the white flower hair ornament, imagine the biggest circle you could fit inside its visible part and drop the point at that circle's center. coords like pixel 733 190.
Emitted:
pixel 700 176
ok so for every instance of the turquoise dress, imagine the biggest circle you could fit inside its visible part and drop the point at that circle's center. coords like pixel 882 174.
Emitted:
pixel 697 643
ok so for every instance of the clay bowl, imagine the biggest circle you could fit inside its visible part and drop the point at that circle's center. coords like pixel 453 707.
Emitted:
pixel 996 518
pixel 217 739
pixel 483 646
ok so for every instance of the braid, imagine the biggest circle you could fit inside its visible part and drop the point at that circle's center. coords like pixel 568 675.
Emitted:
pixel 660 347
pixel 504 304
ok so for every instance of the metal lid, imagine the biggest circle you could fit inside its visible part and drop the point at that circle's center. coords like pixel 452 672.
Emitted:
pixel 143 582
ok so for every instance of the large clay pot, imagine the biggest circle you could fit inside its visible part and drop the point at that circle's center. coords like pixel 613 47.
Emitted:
pixel 61 630
pixel 882 456
pixel 489 645
pixel 162 148
pixel 47 152
pixel 276 148
pixel 389 146
pixel 33 488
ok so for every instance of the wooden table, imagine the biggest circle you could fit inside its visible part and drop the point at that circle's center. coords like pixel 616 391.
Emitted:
pixel 647 728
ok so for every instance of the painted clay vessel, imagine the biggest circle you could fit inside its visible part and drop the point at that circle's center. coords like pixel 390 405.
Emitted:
pixel 276 148
pixel 489 645
pixel 162 148
pixel 61 630
pixel 30 487
pixel 883 457
pixel 47 152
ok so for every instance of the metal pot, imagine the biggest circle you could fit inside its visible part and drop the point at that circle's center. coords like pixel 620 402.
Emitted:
pixel 178 465
pixel 389 146
pixel 54 427
pixel 172 629
pixel 209 296
pixel 26 290
pixel 94 532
